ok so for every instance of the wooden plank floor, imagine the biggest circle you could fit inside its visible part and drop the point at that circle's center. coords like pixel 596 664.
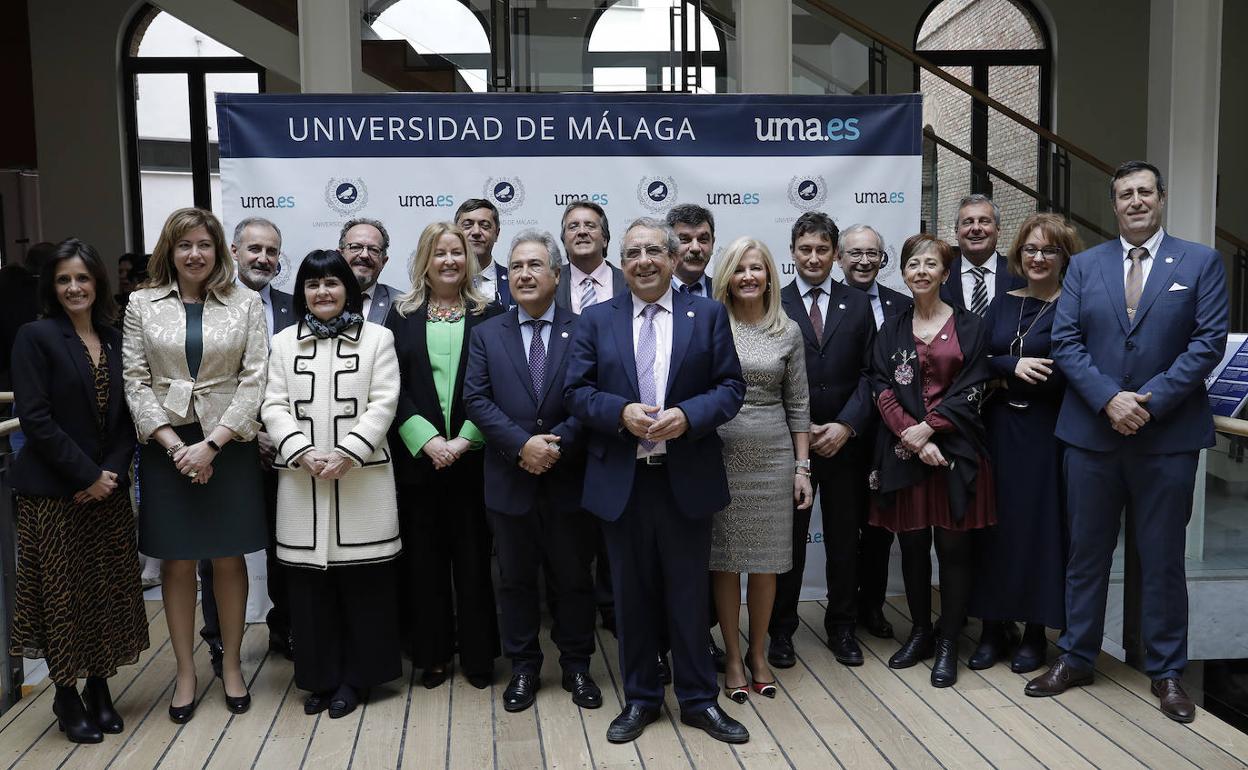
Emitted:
pixel 826 715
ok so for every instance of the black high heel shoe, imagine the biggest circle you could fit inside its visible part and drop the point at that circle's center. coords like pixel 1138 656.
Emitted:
pixel 72 719
pixel 237 705
pixel 182 714
pixel 99 704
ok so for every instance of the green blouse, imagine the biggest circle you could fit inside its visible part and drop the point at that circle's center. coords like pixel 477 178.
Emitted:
pixel 445 342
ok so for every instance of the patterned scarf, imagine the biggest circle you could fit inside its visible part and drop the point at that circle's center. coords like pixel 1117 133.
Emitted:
pixel 334 326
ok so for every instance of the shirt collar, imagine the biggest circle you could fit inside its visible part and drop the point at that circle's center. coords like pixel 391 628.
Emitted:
pixel 548 316
pixel 989 266
pixel 804 287
pixel 1152 244
pixel 874 289
pixel 601 274
pixel 664 302
pixel 704 282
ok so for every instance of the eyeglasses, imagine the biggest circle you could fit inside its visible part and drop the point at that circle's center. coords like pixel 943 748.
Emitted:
pixel 589 227
pixel 356 248
pixel 863 255
pixel 1049 252
pixel 652 251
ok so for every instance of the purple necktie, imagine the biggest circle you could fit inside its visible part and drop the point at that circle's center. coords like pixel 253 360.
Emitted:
pixel 537 356
pixel 646 347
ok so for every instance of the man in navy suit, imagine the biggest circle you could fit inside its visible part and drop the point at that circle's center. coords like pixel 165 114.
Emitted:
pixel 534 467
pixel 1141 322
pixel 838 330
pixel 478 218
pixel 588 278
pixel 695 231
pixel 365 244
pixel 979 274
pixel 653 373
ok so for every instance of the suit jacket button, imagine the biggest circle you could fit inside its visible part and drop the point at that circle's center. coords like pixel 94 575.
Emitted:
pixel 539 422
pixel 1130 344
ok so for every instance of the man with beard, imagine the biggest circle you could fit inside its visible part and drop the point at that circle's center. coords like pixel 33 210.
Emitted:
pixel 257 250
pixel 366 246
pixel 695 229
pixel 478 218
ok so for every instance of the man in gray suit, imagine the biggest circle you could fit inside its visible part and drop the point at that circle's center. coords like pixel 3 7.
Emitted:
pixel 366 245
pixel 588 278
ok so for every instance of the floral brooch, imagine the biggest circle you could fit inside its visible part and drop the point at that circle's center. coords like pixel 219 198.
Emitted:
pixel 904 374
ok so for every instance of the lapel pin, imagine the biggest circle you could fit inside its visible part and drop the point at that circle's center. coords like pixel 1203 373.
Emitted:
pixel 841 306
pixel 1169 260
pixel 944 336
pixel 888 302
pixel 690 314
pixel 564 335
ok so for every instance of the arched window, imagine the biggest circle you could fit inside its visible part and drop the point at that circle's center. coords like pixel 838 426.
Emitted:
pixel 443 27
pixel 1002 48
pixel 172 73
pixel 638 45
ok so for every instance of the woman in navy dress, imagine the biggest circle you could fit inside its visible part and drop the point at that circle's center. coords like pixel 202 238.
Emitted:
pixel 1021 563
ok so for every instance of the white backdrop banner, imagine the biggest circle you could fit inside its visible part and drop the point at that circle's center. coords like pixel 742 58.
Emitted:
pixel 311 162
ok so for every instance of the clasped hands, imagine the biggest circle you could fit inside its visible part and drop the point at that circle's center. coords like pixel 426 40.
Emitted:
pixel 649 423
pixel 918 439
pixel 195 461
pixel 325 465
pixel 444 452
pixel 1126 411
pixel 540 453
pixel 101 488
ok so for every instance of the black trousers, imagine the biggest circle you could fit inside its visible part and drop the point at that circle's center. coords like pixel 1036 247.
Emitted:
pixel 560 543
pixel 345 622
pixel 856 553
pixel 446 591
pixel 278 619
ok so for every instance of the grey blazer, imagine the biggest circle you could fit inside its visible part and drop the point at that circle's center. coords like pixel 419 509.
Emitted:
pixel 563 294
pixel 383 297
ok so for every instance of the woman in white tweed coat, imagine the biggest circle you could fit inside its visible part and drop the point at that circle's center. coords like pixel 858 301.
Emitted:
pixel 332 391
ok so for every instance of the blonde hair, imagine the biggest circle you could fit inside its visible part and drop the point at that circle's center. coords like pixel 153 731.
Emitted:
pixel 773 316
pixel 160 268
pixel 1056 230
pixel 418 271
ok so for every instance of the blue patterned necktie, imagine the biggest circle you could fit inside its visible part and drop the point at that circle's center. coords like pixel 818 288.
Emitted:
pixel 589 295
pixel 646 349
pixel 537 355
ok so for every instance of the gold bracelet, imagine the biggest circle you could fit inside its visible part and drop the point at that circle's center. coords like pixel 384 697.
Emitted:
pixel 171 451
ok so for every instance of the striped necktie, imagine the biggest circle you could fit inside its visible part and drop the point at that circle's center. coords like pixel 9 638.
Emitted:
pixel 979 295
pixel 589 295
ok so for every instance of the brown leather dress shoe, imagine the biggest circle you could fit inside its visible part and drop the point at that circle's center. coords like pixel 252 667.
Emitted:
pixel 1174 701
pixel 1057 680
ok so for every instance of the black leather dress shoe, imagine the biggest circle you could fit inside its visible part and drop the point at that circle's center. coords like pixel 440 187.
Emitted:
pixel 480 680
pixel 584 689
pixel 921 645
pixel 317 702
pixel 717 655
pixel 1174 701
pixel 845 647
pixel 216 653
pixel 630 723
pixel 780 652
pixel 434 676
pixel 876 624
pixel 1058 679
pixel 1030 653
pixel 717 724
pixel 344 701
pixel 99 704
pixel 990 649
pixel 521 692
pixel 945 668
pixel 665 670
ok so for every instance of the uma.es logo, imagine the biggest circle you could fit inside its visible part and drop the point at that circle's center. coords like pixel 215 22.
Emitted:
pixel 656 193
pixel 807 192
pixel 266 201
pixel 880 198
pixel 426 200
pixel 806 130
pixel 346 196
pixel 505 192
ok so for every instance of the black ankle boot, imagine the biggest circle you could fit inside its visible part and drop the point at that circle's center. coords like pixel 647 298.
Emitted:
pixel 945 668
pixel 72 719
pixel 918 647
pixel 99 704
pixel 990 649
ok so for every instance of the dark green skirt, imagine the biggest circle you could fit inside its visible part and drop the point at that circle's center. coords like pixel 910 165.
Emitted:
pixel 181 520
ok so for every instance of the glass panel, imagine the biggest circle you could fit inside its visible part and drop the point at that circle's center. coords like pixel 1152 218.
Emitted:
pixel 169 36
pixel 947 111
pixel 619 78
pixel 1012 148
pixel 443 27
pixel 164 124
pixel 826 58
pixel 646 25
pixel 674 73
pixel 977 25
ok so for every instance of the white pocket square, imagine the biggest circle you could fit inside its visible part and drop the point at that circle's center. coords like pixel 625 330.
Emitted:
pixel 1177 287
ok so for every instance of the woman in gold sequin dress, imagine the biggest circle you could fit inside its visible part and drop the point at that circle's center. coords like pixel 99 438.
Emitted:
pixel 763 447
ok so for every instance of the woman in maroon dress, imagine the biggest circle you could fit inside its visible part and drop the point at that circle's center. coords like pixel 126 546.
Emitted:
pixel 929 374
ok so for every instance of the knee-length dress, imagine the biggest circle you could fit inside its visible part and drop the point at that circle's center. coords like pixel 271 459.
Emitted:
pixel 755 532
pixel 1021 562
pixel 79 603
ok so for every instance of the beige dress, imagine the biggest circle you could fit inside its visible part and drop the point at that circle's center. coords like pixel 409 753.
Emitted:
pixel 755 532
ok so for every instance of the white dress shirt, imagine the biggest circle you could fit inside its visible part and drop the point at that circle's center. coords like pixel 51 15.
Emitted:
pixel 487 281
pixel 526 330
pixel 968 279
pixel 368 302
pixel 602 284
pixel 824 298
pixel 662 355
pixel 1152 244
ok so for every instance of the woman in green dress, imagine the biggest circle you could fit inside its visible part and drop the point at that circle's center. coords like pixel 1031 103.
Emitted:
pixel 446 594
pixel 195 347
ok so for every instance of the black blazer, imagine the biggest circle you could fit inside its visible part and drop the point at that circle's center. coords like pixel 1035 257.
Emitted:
pixel 418 395
pixel 838 370
pixel 502 403
pixel 55 399
pixel 951 290
pixel 895 303
pixel 283 309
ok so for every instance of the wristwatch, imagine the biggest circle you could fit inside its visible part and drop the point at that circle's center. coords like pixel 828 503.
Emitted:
pixel 802 465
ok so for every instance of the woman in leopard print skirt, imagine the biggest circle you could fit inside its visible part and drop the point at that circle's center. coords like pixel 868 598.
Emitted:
pixel 79 603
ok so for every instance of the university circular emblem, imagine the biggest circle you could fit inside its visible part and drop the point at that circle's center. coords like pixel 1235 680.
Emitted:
pixel 807 192
pixel 506 192
pixel 284 274
pixel 656 193
pixel 345 195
